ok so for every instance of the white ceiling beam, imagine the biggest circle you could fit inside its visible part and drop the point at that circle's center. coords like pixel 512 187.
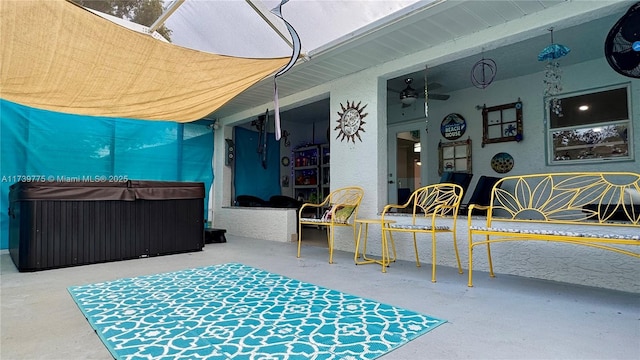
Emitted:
pixel 165 15
pixel 273 21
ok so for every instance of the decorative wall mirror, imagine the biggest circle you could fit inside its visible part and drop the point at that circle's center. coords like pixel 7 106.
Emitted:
pixel 455 156
pixel 502 123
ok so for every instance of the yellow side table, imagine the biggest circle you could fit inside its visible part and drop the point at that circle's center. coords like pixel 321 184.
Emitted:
pixel 385 260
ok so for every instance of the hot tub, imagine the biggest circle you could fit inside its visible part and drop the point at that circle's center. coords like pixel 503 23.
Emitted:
pixel 59 224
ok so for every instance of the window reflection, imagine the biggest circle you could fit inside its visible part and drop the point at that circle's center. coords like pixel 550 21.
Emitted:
pixel 591 143
pixel 594 126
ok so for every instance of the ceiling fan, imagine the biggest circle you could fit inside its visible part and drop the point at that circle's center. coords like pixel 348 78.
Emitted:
pixel 409 95
pixel 622 45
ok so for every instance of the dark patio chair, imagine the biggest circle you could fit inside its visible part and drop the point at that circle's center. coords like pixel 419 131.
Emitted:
pixel 481 194
pixel 459 178
pixel 283 201
pixel 250 201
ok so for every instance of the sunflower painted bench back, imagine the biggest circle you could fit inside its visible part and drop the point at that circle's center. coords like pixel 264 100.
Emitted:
pixel 596 209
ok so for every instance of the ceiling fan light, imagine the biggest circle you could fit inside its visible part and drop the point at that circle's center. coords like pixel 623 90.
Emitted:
pixel 408 95
pixel 408 99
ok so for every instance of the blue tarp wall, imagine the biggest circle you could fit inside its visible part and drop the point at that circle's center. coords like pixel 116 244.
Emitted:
pixel 250 178
pixel 43 145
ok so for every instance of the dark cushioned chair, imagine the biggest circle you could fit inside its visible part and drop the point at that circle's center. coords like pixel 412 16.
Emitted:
pixel 282 201
pixel 250 201
pixel 459 178
pixel 481 194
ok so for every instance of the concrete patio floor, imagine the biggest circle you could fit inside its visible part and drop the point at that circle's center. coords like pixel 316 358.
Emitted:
pixel 506 317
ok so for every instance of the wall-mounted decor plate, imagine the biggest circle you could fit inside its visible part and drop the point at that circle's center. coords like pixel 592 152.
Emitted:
pixel 502 162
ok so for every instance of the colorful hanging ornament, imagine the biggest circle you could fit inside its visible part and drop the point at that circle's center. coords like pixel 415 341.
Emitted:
pixel 553 74
pixel 553 51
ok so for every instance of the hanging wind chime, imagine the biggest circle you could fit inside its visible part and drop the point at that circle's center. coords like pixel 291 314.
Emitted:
pixel 426 97
pixel 553 74
pixel 426 105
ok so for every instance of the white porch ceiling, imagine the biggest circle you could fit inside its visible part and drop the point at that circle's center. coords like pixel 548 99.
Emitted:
pixel 451 35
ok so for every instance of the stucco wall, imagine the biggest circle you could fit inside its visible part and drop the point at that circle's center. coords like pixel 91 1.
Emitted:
pixel 258 223
pixel 362 160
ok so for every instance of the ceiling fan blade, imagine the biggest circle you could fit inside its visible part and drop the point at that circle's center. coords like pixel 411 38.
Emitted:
pixel 420 91
pixel 438 96
pixel 626 60
pixel 433 96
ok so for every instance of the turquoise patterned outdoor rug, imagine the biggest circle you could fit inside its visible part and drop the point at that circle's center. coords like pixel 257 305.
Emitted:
pixel 234 311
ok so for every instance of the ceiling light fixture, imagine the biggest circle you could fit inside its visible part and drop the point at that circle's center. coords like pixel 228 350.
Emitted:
pixel 408 95
pixel 583 107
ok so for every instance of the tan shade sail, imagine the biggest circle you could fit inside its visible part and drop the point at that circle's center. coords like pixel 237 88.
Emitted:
pixel 58 56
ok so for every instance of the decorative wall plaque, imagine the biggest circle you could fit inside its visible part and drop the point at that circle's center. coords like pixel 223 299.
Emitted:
pixel 453 126
pixel 350 121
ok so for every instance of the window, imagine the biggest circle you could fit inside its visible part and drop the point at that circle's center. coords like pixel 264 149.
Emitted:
pixel 592 126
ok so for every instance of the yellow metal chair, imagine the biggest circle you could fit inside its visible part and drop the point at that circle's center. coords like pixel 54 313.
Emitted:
pixel 433 202
pixel 342 209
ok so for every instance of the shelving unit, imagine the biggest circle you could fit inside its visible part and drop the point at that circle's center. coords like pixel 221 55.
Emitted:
pixel 311 173
pixel 306 175
pixel 325 170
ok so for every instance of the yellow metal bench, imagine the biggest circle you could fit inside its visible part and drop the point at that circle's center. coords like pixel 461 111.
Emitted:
pixel 597 209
